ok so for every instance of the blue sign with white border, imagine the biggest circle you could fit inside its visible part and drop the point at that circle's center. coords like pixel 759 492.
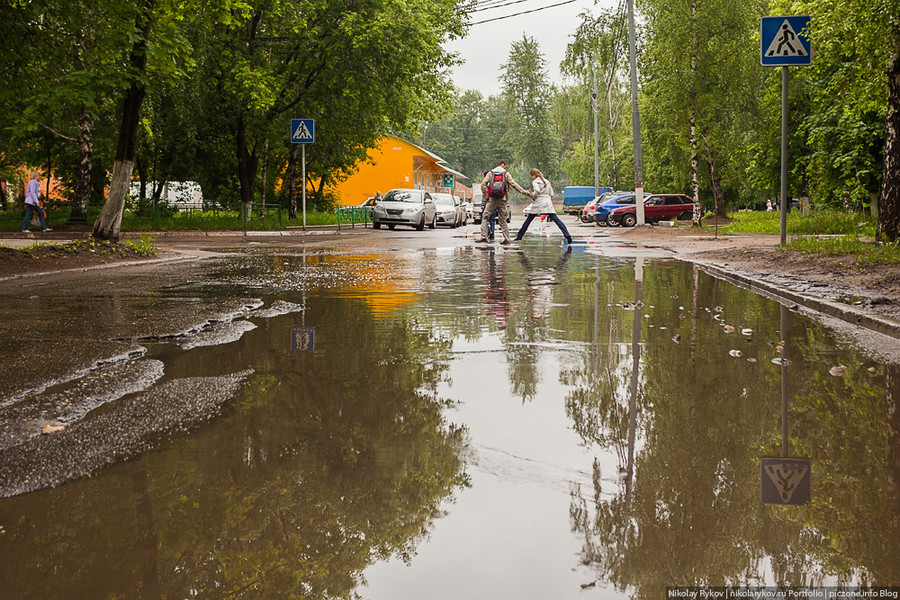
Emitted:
pixel 783 42
pixel 303 131
pixel 303 339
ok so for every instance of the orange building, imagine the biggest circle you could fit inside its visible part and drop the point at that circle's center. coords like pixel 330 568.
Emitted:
pixel 396 163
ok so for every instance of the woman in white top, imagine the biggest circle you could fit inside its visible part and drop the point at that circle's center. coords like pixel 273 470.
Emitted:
pixel 542 192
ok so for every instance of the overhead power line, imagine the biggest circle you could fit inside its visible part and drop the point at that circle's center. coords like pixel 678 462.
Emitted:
pixel 524 12
pixel 491 5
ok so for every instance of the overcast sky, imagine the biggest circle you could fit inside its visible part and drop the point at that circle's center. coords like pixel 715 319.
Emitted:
pixel 487 46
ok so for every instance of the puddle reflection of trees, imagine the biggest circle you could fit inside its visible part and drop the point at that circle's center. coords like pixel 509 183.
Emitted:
pixel 703 420
pixel 326 462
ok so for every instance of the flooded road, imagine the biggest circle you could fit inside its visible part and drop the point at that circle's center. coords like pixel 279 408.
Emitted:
pixel 401 422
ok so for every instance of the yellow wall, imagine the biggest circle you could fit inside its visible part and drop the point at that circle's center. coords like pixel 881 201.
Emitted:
pixel 394 164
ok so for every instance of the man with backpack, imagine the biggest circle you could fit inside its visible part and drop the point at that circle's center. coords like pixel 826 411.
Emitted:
pixel 494 187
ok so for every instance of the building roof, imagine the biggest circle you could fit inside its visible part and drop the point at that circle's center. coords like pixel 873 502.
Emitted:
pixel 440 162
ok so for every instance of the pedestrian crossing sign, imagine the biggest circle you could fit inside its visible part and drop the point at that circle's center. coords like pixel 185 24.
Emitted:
pixel 303 131
pixel 784 42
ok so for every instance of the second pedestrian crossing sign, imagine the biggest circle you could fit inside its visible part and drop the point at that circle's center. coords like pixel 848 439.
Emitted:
pixel 784 42
pixel 303 131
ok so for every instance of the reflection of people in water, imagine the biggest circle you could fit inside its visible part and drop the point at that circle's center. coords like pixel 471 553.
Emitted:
pixel 496 299
pixel 540 282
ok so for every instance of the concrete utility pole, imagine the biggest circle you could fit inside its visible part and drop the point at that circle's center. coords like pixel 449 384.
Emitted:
pixel 596 134
pixel 635 122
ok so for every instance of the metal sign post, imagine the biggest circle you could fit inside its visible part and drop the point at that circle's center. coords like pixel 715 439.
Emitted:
pixel 784 43
pixel 303 131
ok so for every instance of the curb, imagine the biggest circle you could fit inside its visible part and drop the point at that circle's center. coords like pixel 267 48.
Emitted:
pixel 847 313
pixel 112 265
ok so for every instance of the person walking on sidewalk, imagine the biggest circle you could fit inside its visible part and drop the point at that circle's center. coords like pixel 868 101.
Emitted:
pixel 495 187
pixel 542 192
pixel 33 202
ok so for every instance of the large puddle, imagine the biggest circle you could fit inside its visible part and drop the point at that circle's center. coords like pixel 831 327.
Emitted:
pixel 472 423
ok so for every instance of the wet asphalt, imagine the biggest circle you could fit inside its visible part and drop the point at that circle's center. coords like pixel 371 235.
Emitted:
pixel 73 342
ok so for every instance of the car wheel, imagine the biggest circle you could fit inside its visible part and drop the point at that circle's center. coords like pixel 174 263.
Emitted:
pixel 686 216
pixel 585 219
pixel 391 226
pixel 376 225
pixel 433 223
pixel 600 223
pixel 421 224
pixel 629 220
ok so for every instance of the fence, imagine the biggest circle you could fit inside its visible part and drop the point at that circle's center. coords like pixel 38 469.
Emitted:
pixel 354 215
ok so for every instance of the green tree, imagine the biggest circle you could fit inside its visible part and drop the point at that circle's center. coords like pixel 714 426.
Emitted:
pixel 856 75
pixel 701 85
pixel 359 69
pixel 63 60
pixel 597 58
pixel 528 94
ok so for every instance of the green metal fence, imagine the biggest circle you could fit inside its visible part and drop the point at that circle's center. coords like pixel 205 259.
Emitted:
pixel 351 215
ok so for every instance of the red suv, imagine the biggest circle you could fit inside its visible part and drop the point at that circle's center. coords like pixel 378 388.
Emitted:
pixel 656 208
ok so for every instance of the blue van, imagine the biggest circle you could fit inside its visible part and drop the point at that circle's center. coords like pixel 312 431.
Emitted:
pixel 575 197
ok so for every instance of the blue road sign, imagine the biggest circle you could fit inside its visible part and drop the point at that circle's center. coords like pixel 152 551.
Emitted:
pixel 783 43
pixel 303 131
pixel 303 339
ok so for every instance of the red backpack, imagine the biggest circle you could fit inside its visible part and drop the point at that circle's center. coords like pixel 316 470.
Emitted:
pixel 498 184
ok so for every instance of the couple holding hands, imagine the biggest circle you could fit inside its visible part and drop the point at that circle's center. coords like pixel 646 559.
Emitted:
pixel 494 187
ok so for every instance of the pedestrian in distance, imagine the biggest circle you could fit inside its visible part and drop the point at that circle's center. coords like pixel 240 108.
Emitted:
pixel 495 187
pixel 33 202
pixel 542 192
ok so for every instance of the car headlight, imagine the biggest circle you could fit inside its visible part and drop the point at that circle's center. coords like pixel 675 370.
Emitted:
pixel 411 210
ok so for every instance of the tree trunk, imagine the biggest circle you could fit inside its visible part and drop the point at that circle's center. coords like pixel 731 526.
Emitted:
pixel 109 224
pixel 889 208
pixel 247 162
pixel 265 173
pixel 292 179
pixel 718 196
pixel 83 174
pixel 692 118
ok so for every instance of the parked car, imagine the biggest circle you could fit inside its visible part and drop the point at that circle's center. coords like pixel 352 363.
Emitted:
pixel 656 208
pixel 607 203
pixel 470 211
pixel 415 208
pixel 587 213
pixel 448 209
pixel 477 208
pixel 461 209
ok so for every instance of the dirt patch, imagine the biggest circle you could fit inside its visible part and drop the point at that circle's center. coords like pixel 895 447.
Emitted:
pixel 80 254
